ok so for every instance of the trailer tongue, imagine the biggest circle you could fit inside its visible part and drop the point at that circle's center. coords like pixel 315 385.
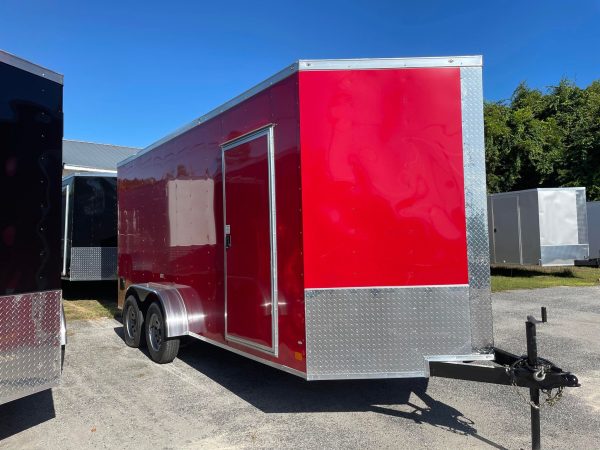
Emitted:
pixel 529 371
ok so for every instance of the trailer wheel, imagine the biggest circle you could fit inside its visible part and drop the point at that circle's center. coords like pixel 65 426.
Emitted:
pixel 161 349
pixel 133 323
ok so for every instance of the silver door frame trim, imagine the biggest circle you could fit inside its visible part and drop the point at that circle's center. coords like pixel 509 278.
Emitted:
pixel 64 265
pixel 268 131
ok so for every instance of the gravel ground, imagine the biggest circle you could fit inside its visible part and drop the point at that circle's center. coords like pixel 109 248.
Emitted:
pixel 114 396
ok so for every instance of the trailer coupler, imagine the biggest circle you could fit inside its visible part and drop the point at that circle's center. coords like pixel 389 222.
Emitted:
pixel 529 371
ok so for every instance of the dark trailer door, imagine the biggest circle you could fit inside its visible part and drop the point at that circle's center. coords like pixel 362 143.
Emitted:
pixel 31 131
pixel 90 227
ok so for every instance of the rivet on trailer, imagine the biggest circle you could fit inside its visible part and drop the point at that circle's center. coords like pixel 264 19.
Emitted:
pixel 330 222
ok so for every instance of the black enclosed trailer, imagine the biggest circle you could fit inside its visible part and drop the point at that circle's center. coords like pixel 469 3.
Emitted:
pixel 32 329
pixel 89 243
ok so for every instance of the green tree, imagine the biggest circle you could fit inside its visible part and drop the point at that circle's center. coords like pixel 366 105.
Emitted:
pixel 542 139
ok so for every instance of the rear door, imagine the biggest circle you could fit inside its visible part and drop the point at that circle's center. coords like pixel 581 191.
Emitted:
pixel 250 253
pixel 507 235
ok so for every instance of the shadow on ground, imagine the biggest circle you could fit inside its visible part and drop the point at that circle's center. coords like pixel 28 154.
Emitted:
pixel 27 412
pixel 275 391
pixel 104 292
pixel 528 272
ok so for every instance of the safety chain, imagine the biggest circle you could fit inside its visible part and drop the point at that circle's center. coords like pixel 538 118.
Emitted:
pixel 539 374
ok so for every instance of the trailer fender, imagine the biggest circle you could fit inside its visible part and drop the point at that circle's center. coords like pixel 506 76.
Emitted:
pixel 178 304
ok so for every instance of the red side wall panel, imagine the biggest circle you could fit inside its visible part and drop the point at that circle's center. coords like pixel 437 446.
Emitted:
pixel 382 178
pixel 171 215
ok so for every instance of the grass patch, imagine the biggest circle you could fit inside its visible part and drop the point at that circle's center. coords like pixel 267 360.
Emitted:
pixel 87 300
pixel 533 277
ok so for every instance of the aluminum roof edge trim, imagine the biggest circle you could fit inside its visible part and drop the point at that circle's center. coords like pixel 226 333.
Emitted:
pixel 90 175
pixel 30 67
pixel 324 64
pixel 391 63
pixel 570 188
pixel 86 168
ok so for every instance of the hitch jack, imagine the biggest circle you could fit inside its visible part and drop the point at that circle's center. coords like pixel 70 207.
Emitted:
pixel 528 371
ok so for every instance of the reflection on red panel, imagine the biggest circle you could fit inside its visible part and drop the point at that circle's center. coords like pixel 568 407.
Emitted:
pixel 382 178
pixel 248 263
pixel 171 216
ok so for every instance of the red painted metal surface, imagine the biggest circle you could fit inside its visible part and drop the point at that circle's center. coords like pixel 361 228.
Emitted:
pixel 376 198
pixel 156 245
pixel 382 178
pixel 248 264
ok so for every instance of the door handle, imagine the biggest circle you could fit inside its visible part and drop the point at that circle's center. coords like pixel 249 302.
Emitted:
pixel 227 236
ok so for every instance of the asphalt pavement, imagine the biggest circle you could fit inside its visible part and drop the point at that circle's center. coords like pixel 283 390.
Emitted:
pixel 113 396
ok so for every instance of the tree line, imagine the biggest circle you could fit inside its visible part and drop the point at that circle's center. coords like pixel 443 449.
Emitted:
pixel 545 138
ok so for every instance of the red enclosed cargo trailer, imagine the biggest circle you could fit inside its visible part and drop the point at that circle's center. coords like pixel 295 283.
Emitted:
pixel 331 222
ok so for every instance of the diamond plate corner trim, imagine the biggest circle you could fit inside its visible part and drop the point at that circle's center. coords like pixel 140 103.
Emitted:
pixel 476 208
pixel 29 343
pixel 383 332
pixel 93 263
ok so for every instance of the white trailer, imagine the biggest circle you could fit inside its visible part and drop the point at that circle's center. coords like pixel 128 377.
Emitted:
pixel 544 226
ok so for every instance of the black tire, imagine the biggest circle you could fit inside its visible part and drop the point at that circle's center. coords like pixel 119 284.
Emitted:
pixel 161 350
pixel 133 323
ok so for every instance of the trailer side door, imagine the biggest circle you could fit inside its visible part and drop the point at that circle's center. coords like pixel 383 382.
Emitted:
pixel 250 254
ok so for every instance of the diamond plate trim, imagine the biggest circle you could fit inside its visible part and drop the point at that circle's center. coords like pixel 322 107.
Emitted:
pixel 383 332
pixel 29 343
pixel 563 255
pixel 476 208
pixel 93 263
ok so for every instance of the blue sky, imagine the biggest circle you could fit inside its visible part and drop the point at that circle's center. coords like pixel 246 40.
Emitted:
pixel 135 71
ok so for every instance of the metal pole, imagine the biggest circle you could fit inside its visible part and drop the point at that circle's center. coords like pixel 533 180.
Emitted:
pixel 534 393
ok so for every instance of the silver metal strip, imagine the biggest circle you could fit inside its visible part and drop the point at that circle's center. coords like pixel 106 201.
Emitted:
pixel 88 169
pixel 390 63
pixel 329 64
pixel 65 237
pixel 30 67
pixel 420 286
pixel 478 251
pixel 112 174
pixel 413 374
pixel 366 376
pixel 268 131
pixel 249 355
pixel 457 358
pixel 500 194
